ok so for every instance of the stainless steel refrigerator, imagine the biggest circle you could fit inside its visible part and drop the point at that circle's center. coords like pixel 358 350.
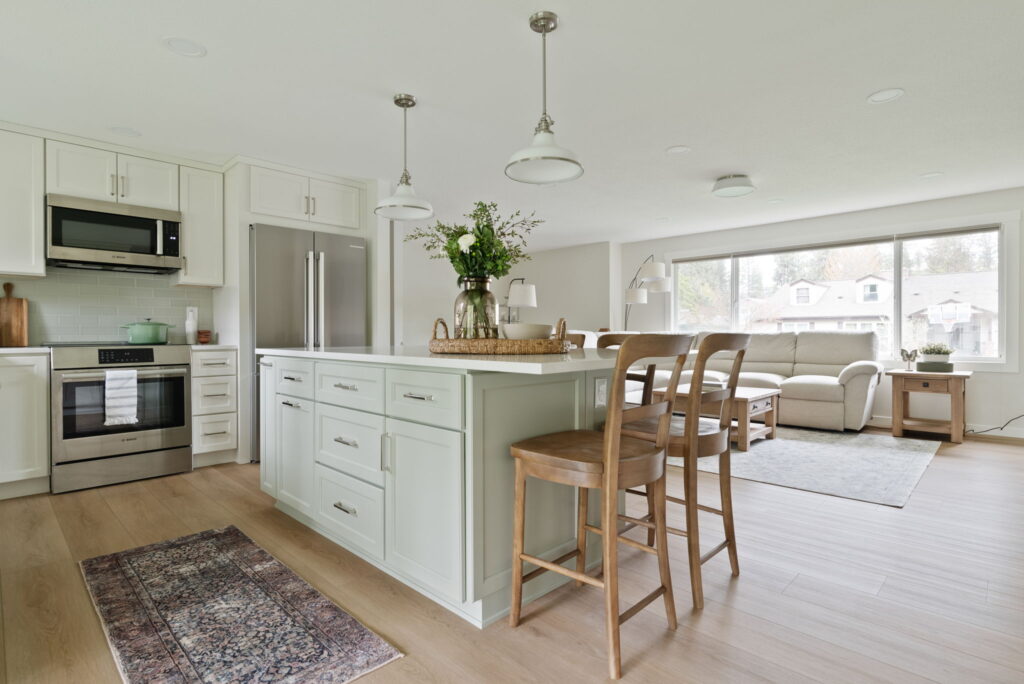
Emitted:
pixel 308 289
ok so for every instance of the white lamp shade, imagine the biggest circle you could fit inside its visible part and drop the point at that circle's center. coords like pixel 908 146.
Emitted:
pixel 636 295
pixel 522 294
pixel 659 285
pixel 543 162
pixel 653 270
pixel 404 205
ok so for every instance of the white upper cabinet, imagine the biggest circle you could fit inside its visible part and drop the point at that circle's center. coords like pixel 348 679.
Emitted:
pixel 81 171
pixel 22 206
pixel 277 193
pixel 147 182
pixel 334 204
pixel 289 195
pixel 202 227
pixel 24 417
pixel 98 174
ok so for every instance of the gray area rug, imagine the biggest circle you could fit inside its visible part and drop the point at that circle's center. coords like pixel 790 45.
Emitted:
pixel 880 469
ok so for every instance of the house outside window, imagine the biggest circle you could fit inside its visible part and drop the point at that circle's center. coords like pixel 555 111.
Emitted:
pixel 803 295
pixel 871 292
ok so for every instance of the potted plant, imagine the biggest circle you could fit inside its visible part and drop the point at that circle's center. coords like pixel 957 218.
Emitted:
pixel 486 249
pixel 935 352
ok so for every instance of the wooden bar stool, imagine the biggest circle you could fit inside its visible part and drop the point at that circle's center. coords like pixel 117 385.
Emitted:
pixel 693 436
pixel 588 459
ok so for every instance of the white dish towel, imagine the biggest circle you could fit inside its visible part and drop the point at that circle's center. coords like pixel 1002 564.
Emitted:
pixel 122 397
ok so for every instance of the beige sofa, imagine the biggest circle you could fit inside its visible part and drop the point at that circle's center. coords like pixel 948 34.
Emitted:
pixel 827 379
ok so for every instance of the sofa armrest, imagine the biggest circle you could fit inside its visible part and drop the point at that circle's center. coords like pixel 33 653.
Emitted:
pixel 860 368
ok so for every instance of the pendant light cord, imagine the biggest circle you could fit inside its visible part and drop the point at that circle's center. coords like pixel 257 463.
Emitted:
pixel 545 123
pixel 406 179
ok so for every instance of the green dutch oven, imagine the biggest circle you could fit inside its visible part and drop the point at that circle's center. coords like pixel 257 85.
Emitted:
pixel 147 332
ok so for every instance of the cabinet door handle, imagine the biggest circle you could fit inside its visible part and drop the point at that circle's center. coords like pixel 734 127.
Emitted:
pixel 349 510
pixel 306 210
pixel 383 452
pixel 347 442
pixel 313 201
pixel 207 396
pixel 419 397
pixel 344 386
pixel 124 186
pixel 213 434
pixel 288 403
pixel 184 265
pixel 113 185
pixel 291 377
pixel 266 365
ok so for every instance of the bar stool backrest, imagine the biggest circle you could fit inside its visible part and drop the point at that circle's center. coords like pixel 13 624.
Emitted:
pixel 714 401
pixel 647 377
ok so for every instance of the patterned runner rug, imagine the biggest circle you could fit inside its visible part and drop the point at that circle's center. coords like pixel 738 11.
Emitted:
pixel 215 607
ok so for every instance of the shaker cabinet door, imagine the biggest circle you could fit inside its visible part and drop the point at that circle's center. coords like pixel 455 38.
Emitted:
pixel 268 427
pixel 24 417
pixel 201 196
pixel 22 205
pixel 147 182
pixel 81 171
pixel 335 204
pixel 278 193
pixel 294 424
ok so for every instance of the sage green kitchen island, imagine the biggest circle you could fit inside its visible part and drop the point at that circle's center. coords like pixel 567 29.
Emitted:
pixel 402 457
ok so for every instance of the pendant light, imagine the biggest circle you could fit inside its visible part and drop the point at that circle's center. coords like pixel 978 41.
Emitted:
pixel 544 161
pixel 404 205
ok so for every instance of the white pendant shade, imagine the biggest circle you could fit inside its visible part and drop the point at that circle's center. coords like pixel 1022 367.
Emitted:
pixel 652 270
pixel 659 285
pixel 404 205
pixel 543 162
pixel 636 295
pixel 522 295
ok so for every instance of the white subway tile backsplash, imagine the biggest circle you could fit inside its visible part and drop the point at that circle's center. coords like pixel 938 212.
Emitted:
pixel 71 306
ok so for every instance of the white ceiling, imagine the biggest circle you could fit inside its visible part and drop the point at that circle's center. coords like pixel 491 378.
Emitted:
pixel 772 89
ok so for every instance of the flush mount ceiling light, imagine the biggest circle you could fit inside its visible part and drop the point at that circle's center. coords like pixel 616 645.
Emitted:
pixel 678 149
pixel 404 205
pixel 125 130
pixel 184 47
pixel 734 185
pixel 886 95
pixel 544 161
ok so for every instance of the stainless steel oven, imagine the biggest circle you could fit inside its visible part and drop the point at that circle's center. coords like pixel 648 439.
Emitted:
pixel 85 452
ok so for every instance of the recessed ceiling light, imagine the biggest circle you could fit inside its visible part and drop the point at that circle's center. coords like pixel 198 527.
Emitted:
pixel 776 200
pixel 733 185
pixel 125 130
pixel 678 149
pixel 886 95
pixel 931 174
pixel 184 47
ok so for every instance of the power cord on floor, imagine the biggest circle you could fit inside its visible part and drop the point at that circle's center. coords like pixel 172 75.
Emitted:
pixel 1002 427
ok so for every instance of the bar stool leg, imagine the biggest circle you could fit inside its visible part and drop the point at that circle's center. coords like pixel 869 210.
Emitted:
pixel 661 533
pixel 610 554
pixel 583 495
pixel 518 539
pixel 725 487
pixel 692 526
pixel 650 513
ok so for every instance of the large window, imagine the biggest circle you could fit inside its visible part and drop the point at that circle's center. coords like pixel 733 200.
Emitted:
pixel 940 288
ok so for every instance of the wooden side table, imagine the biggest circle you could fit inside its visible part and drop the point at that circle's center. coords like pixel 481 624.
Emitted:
pixel 954 384
pixel 750 403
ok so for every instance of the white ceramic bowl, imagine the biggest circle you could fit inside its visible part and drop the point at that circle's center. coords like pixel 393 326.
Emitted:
pixel 527 331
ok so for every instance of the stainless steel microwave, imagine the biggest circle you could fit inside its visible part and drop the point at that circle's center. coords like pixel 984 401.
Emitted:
pixel 92 234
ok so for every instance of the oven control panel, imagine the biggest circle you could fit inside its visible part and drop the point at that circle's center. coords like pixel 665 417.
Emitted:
pixel 122 355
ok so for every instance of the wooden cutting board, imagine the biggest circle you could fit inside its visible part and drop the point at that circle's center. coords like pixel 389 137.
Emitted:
pixel 13 319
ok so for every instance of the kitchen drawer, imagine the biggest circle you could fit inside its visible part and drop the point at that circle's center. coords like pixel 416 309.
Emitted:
pixel 214 363
pixel 351 386
pixel 351 509
pixel 294 377
pixel 425 397
pixel 918 385
pixel 218 394
pixel 350 441
pixel 214 432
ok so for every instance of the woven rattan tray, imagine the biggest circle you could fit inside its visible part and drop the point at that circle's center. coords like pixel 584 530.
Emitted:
pixel 446 345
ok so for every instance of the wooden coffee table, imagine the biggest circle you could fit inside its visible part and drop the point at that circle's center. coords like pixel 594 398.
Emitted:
pixel 750 403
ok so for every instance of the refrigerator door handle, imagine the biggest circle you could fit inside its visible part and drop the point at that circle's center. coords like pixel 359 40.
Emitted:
pixel 321 332
pixel 310 302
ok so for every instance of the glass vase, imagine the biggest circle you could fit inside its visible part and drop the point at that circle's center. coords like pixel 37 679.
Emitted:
pixel 476 310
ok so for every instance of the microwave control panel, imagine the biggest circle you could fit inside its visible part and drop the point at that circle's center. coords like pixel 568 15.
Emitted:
pixel 126 355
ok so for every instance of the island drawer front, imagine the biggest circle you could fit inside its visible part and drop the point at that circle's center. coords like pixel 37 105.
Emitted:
pixel 919 385
pixel 294 377
pixel 217 394
pixel 214 432
pixel 351 509
pixel 350 441
pixel 214 363
pixel 425 397
pixel 350 386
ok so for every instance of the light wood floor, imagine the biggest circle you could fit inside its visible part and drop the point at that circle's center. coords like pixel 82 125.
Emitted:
pixel 831 590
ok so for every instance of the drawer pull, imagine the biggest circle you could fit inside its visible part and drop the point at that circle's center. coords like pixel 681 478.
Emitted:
pixel 348 510
pixel 347 442
pixel 419 397
pixel 207 396
pixel 216 363
pixel 350 388
pixel 288 403
pixel 214 434
pixel 291 377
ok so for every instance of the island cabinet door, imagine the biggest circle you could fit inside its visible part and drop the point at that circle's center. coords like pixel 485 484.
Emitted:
pixel 267 431
pixel 294 424
pixel 424 511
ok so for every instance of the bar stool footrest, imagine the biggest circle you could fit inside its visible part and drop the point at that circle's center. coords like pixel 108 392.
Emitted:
pixel 641 604
pixel 555 566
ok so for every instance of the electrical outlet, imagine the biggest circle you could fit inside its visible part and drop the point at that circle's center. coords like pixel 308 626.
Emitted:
pixel 601 392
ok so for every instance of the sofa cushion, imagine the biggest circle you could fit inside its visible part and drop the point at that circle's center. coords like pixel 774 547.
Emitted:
pixel 766 380
pixel 812 388
pixel 766 353
pixel 828 353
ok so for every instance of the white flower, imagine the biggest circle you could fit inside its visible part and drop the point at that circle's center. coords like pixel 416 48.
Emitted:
pixel 466 241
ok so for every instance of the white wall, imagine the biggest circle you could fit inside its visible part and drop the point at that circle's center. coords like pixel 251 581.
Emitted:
pixel 992 397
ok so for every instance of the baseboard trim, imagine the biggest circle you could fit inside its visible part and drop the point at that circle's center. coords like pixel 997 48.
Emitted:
pixel 36 485
pixel 213 458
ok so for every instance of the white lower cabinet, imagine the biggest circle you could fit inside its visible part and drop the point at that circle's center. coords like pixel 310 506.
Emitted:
pixel 294 423
pixel 268 428
pixel 424 513
pixel 24 417
pixel 351 509
pixel 216 432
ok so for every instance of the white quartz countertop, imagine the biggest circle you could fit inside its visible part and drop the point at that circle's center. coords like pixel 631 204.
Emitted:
pixel 213 347
pixel 530 364
pixel 21 351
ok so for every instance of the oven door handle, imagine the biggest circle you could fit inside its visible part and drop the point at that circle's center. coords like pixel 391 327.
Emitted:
pixel 156 372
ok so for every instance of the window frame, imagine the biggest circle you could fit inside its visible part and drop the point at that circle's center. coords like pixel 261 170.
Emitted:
pixel 1006 225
